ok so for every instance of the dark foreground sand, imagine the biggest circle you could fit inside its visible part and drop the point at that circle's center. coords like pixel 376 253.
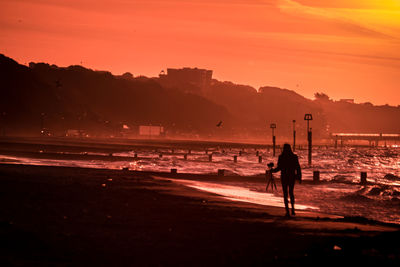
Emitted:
pixel 75 216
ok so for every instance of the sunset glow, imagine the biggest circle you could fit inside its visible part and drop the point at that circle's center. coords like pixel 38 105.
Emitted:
pixel 347 49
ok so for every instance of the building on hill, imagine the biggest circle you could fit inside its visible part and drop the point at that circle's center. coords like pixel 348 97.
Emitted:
pixel 347 100
pixel 191 80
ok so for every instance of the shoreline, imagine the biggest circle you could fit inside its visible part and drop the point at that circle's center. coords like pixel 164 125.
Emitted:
pixel 78 216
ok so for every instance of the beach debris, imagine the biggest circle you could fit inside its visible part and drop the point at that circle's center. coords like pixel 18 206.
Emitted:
pixel 392 177
pixel 336 247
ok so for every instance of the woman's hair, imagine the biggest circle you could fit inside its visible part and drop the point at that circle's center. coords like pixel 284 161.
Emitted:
pixel 287 149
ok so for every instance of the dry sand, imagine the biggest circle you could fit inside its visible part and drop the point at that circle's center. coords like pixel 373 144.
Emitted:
pixel 76 216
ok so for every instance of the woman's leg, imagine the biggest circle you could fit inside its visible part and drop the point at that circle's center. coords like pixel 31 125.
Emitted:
pixel 291 194
pixel 285 196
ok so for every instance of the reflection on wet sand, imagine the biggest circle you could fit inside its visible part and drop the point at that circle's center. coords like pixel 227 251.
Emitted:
pixel 237 193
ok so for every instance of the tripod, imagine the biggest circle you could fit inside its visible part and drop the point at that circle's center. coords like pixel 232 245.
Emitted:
pixel 271 180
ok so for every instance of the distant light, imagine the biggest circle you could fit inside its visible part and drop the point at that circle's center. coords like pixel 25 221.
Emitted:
pixel 125 127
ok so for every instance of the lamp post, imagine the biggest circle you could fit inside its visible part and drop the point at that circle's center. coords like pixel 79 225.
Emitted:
pixel 42 132
pixel 294 135
pixel 3 123
pixel 308 118
pixel 273 126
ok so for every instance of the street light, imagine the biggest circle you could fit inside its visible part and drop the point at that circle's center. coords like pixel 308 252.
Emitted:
pixel 42 115
pixel 273 126
pixel 294 135
pixel 308 118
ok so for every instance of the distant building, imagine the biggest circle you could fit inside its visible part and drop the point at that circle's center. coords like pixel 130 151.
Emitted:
pixel 148 130
pixel 188 79
pixel 347 100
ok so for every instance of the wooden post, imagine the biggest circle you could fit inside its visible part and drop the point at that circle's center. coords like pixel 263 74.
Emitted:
pixel 135 156
pixel 160 155
pixel 235 158
pixel 185 157
pixel 221 172
pixel 316 176
pixel 363 179
pixel 259 159
pixel 257 153
pixel 210 157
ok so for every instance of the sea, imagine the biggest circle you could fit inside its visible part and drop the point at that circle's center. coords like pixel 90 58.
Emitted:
pixel 339 191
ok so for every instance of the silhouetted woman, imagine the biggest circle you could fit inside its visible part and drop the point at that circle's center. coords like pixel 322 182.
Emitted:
pixel 288 164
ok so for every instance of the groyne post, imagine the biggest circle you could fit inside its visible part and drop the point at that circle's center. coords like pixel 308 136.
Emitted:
pixel 316 176
pixel 363 178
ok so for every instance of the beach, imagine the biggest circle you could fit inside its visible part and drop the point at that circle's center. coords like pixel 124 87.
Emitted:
pixel 80 216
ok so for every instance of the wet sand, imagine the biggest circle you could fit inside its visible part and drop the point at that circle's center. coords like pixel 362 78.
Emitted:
pixel 76 216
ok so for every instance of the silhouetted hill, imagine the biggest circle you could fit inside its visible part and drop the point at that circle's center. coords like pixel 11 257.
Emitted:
pixel 76 97
pixel 25 97
pixel 256 110
pixel 364 118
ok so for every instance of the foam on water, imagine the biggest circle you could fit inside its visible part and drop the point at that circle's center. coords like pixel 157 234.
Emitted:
pixel 339 167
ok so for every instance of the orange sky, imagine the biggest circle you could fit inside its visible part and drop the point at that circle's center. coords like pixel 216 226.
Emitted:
pixel 345 48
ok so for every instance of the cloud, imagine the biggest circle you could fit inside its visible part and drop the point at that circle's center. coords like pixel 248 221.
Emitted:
pixel 377 23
